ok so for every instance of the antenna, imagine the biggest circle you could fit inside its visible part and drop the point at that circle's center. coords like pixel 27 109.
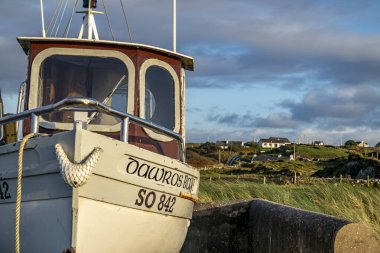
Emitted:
pixel 175 25
pixel 42 19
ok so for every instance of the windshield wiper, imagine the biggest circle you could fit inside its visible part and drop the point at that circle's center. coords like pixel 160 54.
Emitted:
pixel 95 114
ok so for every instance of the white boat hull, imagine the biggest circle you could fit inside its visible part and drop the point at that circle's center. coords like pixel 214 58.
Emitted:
pixel 130 203
pixel 145 232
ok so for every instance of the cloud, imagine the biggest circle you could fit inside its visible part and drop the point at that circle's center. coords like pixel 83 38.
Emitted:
pixel 240 43
pixel 327 51
pixel 193 109
pixel 229 118
pixel 249 121
pixel 321 114
pixel 276 120
pixel 348 106
pixel 201 134
pixel 290 40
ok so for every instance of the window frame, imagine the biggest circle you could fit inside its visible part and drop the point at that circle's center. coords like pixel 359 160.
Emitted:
pixel 142 74
pixel 34 83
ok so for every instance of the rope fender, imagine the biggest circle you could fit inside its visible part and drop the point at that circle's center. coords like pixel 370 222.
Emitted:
pixel 76 174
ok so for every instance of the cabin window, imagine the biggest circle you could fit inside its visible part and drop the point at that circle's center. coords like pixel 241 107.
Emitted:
pixel 159 97
pixel 102 78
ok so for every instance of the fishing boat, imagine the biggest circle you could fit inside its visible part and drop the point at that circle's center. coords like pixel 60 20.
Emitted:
pixel 94 158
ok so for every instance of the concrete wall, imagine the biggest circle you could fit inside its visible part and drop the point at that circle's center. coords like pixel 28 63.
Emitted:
pixel 263 226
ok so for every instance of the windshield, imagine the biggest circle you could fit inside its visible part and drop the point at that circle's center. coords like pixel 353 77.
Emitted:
pixel 101 78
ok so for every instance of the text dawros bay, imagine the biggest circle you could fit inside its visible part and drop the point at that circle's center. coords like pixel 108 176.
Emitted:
pixel 160 174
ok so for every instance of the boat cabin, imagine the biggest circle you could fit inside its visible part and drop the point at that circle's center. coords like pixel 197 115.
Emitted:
pixel 140 80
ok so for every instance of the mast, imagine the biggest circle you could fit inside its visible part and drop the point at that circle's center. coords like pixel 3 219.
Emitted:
pixel 92 31
pixel 175 25
pixel 42 19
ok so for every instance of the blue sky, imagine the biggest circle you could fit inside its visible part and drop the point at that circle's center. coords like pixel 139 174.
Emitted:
pixel 298 69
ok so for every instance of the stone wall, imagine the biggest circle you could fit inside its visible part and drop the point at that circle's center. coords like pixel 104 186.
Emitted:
pixel 263 226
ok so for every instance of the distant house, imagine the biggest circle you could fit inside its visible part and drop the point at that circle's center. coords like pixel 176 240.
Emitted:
pixel 362 144
pixel 274 142
pixel 222 144
pixel 228 144
pixel 318 143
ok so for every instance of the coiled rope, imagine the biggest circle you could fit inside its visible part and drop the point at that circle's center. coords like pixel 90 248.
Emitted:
pixel 18 201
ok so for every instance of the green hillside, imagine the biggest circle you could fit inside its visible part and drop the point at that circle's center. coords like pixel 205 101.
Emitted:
pixel 317 161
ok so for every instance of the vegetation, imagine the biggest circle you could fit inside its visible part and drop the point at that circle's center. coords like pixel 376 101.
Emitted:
pixel 353 202
pixel 287 168
pixel 357 203
pixel 350 143
pixel 318 161
pixel 209 153
pixel 199 161
pixel 320 152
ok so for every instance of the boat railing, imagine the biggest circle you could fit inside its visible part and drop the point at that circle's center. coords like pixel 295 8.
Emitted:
pixel 92 105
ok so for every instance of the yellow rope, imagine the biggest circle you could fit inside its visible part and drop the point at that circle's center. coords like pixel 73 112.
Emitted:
pixel 18 201
pixel 188 196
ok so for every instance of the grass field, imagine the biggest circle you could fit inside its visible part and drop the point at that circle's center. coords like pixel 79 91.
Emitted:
pixel 352 202
pixel 320 152
pixel 303 168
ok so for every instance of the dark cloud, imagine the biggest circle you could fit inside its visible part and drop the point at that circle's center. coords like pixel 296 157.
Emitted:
pixel 347 106
pixel 240 43
pixel 249 121
pixel 276 120
pixel 229 118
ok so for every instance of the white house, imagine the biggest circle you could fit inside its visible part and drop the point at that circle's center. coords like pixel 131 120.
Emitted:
pixel 274 142
pixel 362 144
pixel 318 143
pixel 228 144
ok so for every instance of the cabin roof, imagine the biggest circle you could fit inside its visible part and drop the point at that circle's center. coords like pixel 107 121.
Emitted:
pixel 187 61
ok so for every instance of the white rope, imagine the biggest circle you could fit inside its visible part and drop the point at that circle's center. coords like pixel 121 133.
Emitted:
pixel 52 18
pixel 76 174
pixel 108 20
pixel 56 17
pixel 67 29
pixel 126 20
pixel 60 21
pixel 19 190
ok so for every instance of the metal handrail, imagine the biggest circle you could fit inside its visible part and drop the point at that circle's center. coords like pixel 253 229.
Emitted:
pixel 90 104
